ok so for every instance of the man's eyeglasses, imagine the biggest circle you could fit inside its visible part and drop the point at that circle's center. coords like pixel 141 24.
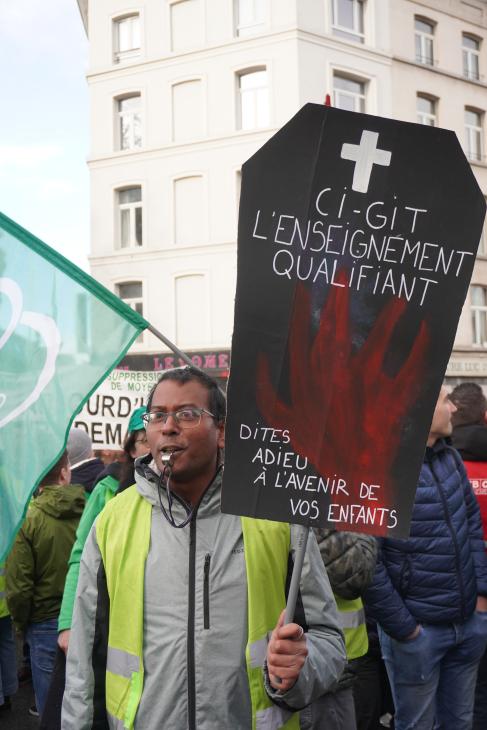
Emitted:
pixel 185 417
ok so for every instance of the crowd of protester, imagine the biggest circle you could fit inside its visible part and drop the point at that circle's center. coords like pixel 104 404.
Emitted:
pixel 388 632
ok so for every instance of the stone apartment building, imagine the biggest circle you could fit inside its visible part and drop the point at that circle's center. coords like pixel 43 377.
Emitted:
pixel 183 91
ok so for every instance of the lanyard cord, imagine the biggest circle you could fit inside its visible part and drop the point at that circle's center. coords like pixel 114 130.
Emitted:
pixel 168 514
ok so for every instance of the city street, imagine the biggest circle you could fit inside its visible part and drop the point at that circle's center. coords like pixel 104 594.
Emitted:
pixel 243 364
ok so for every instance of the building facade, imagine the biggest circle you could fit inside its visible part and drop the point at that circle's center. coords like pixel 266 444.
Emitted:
pixel 184 91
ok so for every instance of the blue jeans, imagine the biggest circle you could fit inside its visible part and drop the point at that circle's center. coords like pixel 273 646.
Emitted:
pixel 433 676
pixel 8 660
pixel 42 640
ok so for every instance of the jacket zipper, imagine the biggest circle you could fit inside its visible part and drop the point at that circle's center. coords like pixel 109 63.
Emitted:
pixel 191 611
pixel 454 540
pixel 190 658
pixel 206 593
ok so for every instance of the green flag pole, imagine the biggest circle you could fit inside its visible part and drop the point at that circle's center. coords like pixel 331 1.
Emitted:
pixel 172 347
pixel 302 541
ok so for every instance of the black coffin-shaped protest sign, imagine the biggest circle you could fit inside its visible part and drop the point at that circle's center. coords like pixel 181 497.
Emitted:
pixel 356 243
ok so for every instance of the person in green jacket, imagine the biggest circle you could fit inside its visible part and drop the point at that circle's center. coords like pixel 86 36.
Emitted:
pixel 37 565
pixel 135 445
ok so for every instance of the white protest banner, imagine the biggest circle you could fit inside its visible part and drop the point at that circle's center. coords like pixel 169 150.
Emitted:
pixel 106 414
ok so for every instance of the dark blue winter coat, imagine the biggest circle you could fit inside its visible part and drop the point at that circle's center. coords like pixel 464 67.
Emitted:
pixel 435 575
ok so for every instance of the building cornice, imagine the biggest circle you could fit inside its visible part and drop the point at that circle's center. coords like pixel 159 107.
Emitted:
pixel 466 10
pixel 357 50
pixel 254 42
pixel 440 71
pixel 203 52
pixel 170 252
pixel 470 350
pixel 259 136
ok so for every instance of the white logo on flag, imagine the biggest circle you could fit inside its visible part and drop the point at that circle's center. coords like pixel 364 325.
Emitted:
pixel 46 327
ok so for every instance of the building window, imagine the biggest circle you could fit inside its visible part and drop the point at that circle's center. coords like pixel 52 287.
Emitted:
pixel 471 53
pixel 348 93
pixel 186 25
pixel 188 112
pixel 426 110
pixel 190 211
pixel 423 37
pixel 191 293
pixel 130 217
pixel 473 134
pixel 250 16
pixel 131 293
pixel 479 315
pixel 129 122
pixel 348 19
pixel 126 38
pixel 253 99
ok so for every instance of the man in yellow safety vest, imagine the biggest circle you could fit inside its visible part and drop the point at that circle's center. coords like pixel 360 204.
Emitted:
pixel 178 615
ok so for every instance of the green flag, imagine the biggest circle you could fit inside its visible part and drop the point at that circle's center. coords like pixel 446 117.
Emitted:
pixel 61 333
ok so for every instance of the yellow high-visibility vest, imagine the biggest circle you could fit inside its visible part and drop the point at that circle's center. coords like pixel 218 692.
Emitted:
pixel 123 535
pixel 352 620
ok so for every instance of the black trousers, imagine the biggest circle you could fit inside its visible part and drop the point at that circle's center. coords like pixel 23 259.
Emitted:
pixel 371 692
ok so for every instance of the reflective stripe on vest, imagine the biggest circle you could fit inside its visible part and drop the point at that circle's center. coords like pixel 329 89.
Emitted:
pixel 273 718
pixel 352 621
pixel 124 541
pixel 257 652
pixel 114 723
pixel 122 662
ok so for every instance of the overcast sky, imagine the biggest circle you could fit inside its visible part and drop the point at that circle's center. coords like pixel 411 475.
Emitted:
pixel 44 122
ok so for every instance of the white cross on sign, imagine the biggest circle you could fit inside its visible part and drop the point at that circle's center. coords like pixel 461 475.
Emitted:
pixel 365 155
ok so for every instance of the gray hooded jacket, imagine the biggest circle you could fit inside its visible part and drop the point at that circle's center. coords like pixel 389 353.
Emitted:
pixel 195 626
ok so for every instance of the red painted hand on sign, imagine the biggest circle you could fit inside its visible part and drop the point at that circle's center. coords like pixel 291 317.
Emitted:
pixel 345 413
